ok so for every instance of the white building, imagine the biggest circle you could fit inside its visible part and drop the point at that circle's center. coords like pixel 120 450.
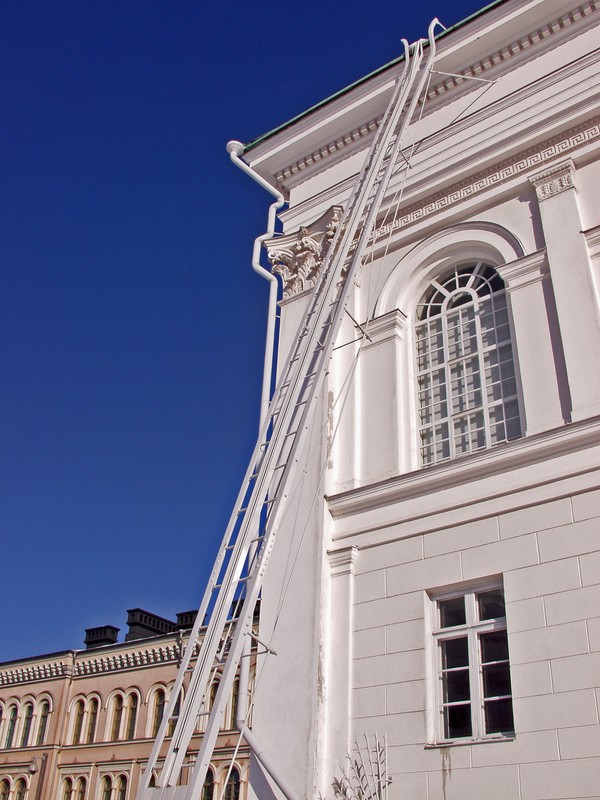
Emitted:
pixel 438 577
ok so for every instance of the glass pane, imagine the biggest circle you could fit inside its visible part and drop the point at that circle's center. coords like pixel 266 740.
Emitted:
pixel 499 716
pixel 494 646
pixel 456 686
pixel 457 721
pixel 491 604
pixel 452 612
pixel 496 680
pixel 455 653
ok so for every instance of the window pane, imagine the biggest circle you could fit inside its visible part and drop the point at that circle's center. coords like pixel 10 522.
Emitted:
pixel 494 646
pixel 491 604
pixel 455 653
pixel 499 716
pixel 457 721
pixel 456 686
pixel 496 680
pixel 452 612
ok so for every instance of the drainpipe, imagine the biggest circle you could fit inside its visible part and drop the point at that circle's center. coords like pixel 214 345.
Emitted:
pixel 235 150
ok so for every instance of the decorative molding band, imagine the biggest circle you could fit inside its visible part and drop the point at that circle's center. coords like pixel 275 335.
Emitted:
pixel 84 665
pixel 449 83
pixel 343 562
pixel 36 672
pixel 555 180
pixel 127 660
pixel 505 171
pixel 298 257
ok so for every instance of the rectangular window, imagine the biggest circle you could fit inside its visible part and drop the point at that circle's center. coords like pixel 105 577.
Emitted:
pixel 472 669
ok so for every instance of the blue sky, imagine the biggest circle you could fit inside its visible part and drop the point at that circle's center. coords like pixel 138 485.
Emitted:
pixel 131 324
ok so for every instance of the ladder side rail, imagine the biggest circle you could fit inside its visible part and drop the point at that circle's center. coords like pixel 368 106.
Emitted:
pixel 205 753
pixel 349 235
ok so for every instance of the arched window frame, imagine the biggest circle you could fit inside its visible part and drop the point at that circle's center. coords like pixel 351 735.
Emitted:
pixel 44 707
pixel 27 723
pixel 467 395
pixel 157 700
pixel 208 787
pixel 392 332
pixel 20 790
pixel 81 789
pixel 132 705
pixel 121 787
pixel 233 709
pixel 67 789
pixel 11 725
pixel 115 717
pixel 94 705
pixel 4 789
pixel 78 715
pixel 232 787
pixel 106 788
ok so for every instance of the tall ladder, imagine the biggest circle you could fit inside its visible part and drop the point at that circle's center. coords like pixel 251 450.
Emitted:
pixel 236 579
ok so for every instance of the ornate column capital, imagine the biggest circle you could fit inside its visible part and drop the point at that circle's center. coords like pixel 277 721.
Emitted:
pixel 298 257
pixel 555 180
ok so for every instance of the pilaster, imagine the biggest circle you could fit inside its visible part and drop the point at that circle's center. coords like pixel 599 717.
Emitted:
pixel 537 352
pixel 342 564
pixel 574 291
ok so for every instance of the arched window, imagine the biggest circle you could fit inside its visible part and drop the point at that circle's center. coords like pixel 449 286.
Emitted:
pixel 159 710
pixel 12 724
pixel 43 724
pixel 20 790
pixel 234 702
pixel 122 788
pixel 175 717
pixel 78 721
pixel 467 391
pixel 27 720
pixel 132 708
pixel 67 790
pixel 4 790
pixel 232 790
pixel 92 721
pixel 81 788
pixel 117 715
pixel 106 788
pixel 214 688
pixel 208 787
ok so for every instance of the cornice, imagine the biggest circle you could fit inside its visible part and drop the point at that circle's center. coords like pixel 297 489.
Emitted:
pixel 463 471
pixel 525 271
pixel 523 46
pixel 35 672
pixel 87 664
pixel 343 561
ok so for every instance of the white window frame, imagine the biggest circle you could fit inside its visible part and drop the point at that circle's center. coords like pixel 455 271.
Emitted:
pixel 472 628
pixel 462 409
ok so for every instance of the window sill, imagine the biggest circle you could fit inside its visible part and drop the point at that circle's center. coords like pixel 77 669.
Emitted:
pixel 468 742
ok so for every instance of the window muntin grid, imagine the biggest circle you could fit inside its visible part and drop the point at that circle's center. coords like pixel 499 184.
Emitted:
pixel 472 670
pixel 466 384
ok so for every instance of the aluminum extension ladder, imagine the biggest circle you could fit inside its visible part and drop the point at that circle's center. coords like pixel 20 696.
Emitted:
pixel 237 575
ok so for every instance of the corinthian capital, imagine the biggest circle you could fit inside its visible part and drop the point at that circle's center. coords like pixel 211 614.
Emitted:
pixel 298 257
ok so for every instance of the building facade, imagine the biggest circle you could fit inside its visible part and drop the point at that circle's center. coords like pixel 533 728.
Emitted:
pixel 437 578
pixel 80 724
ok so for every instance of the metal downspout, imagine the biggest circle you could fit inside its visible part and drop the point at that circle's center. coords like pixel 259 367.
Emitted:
pixel 235 150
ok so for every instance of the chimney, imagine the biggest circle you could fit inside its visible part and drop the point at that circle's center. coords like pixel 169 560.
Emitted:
pixel 98 637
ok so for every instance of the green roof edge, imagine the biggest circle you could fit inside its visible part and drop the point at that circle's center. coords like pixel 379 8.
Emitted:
pixel 259 139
